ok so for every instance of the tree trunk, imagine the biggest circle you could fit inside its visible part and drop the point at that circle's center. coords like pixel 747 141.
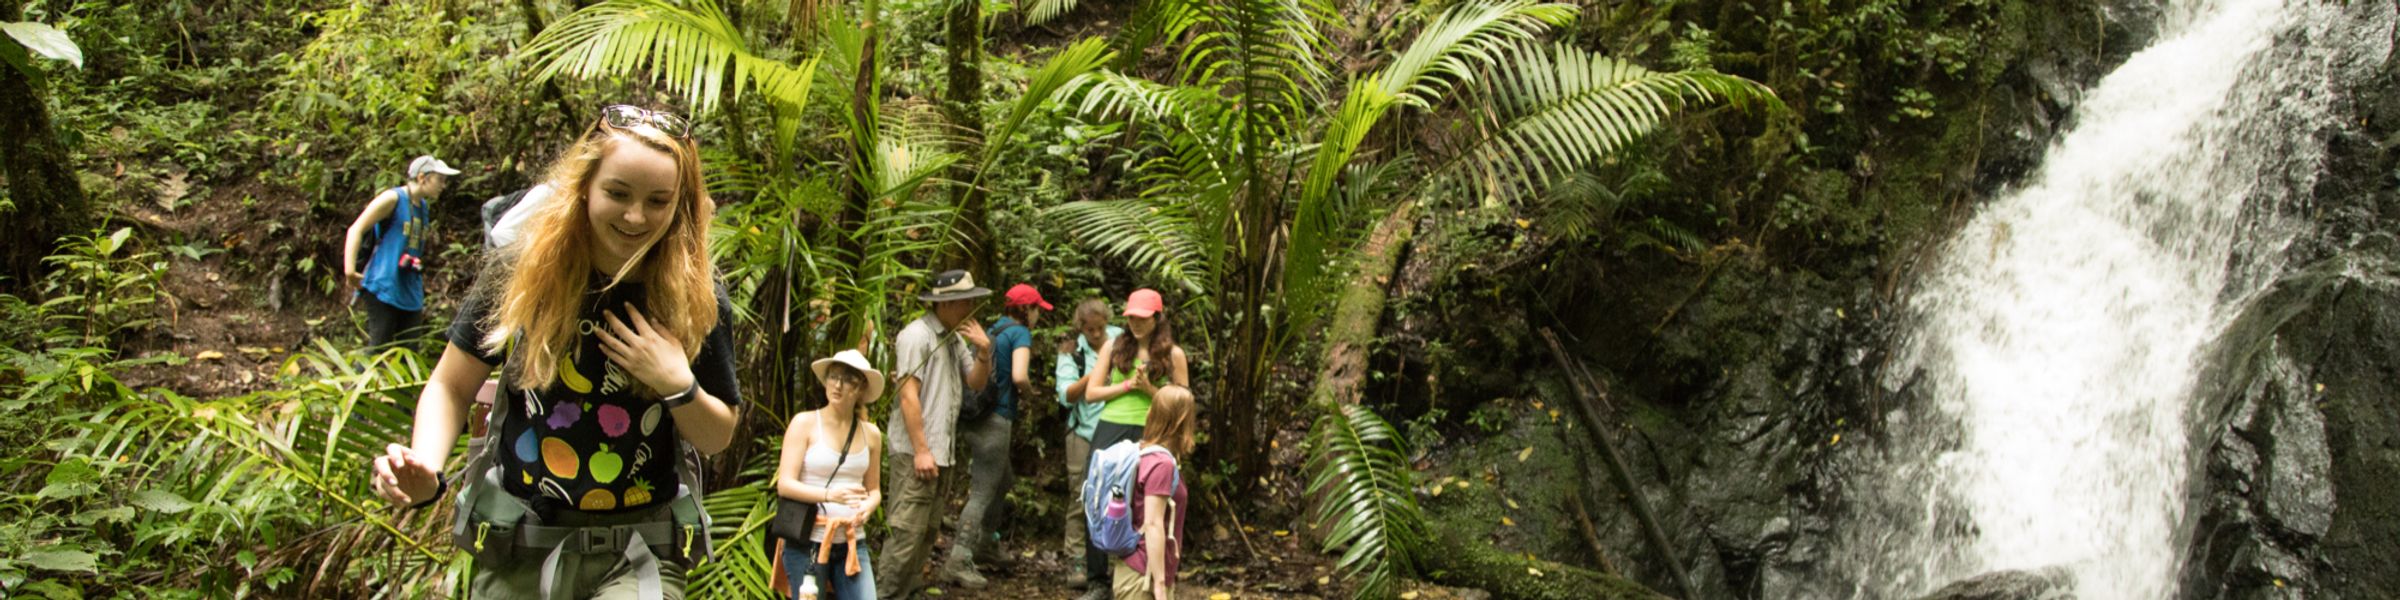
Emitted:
pixel 41 179
pixel 1350 337
pixel 964 105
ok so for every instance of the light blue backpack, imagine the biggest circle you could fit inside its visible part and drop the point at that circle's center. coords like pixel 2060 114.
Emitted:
pixel 1108 496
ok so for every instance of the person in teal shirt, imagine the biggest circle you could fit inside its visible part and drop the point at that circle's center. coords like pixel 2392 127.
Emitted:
pixel 1077 354
pixel 1132 367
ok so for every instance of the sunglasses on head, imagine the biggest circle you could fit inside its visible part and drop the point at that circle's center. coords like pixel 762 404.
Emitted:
pixel 625 116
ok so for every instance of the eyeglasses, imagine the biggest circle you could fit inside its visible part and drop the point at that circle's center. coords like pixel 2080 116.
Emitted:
pixel 623 116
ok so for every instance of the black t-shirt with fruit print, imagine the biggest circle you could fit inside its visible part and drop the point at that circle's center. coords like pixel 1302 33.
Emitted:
pixel 596 439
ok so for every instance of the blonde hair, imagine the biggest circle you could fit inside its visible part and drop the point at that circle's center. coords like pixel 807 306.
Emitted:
pixel 1173 420
pixel 545 280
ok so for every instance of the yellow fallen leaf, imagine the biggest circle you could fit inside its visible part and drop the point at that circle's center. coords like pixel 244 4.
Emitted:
pixel 208 355
pixel 1462 483
pixel 1553 415
pixel 1524 454
pixel 1408 595
pixel 2279 582
pixel 1283 533
pixel 1838 314
pixel 1837 438
pixel 1533 571
pixel 1522 224
pixel 2320 388
pixel 1512 504
pixel 1507 521
pixel 1324 580
pixel 1220 596
pixel 1436 491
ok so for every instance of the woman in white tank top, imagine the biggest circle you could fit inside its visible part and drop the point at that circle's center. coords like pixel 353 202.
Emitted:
pixel 845 496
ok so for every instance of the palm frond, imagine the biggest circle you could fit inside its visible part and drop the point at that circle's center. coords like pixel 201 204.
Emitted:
pixel 1042 11
pixel 1266 53
pixel 1366 492
pixel 740 567
pixel 1562 108
pixel 1466 39
pixel 1154 23
pixel 1061 72
pixel 1160 239
pixel 690 46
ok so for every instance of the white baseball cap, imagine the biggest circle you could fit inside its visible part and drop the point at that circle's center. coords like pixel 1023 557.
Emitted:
pixel 428 164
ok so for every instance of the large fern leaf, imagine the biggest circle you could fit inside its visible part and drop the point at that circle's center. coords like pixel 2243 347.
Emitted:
pixel 1562 108
pixel 1365 491
pixel 689 45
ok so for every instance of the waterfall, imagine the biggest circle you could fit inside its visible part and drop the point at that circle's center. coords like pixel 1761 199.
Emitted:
pixel 2061 333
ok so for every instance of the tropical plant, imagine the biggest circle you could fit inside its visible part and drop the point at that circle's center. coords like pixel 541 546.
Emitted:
pixel 1236 185
pixel 114 288
pixel 1360 470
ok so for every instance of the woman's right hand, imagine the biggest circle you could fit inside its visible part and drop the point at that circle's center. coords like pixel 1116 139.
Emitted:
pixel 849 494
pixel 402 479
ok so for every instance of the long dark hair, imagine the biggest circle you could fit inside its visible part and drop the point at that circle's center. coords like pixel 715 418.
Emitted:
pixel 1162 349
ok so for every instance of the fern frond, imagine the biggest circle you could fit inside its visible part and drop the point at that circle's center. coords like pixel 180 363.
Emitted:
pixel 1562 108
pixel 690 47
pixel 1365 490
pixel 1163 240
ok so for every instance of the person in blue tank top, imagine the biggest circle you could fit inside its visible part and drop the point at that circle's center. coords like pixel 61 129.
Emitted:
pixel 393 281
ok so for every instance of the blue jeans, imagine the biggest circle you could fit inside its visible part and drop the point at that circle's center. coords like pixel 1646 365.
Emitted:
pixel 832 584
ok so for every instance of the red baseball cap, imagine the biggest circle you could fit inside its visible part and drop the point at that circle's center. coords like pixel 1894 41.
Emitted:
pixel 1023 294
pixel 1144 302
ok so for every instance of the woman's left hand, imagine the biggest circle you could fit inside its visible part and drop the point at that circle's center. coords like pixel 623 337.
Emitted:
pixel 651 355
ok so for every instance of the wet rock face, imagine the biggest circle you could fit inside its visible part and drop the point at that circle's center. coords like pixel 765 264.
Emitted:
pixel 2041 584
pixel 2299 492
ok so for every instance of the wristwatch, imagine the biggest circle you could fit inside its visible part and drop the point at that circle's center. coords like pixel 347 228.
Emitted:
pixel 683 397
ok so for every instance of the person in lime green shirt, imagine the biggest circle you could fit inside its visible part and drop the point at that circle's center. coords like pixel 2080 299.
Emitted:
pixel 1134 365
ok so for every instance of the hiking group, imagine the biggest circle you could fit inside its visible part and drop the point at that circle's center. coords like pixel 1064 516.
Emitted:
pixel 598 310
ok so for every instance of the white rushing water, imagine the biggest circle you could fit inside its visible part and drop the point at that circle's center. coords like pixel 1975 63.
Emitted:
pixel 2061 333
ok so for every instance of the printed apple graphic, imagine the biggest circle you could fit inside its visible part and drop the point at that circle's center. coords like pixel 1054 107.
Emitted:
pixel 561 459
pixel 606 466
pixel 613 420
pixel 564 415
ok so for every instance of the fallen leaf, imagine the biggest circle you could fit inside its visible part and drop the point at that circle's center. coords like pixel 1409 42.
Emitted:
pixel 1324 580
pixel 1512 504
pixel 1220 596
pixel 1524 224
pixel 1408 595
pixel 1838 314
pixel 1283 533
pixel 1553 415
pixel 208 355
pixel 2278 583
pixel 1524 454
pixel 2320 388
pixel 1533 571
pixel 1837 438
pixel 1436 491
pixel 1504 520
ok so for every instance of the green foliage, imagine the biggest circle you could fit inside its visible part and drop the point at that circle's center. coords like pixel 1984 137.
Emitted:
pixel 105 286
pixel 1358 467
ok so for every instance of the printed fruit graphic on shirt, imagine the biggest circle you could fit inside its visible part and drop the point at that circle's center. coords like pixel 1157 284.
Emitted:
pixel 564 415
pixel 574 380
pixel 613 420
pixel 560 458
pixel 606 465
pixel 597 500
pixel 639 495
pixel 525 446
pixel 650 418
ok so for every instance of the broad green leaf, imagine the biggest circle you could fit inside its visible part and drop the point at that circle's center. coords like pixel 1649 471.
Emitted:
pixel 160 501
pixel 63 559
pixel 46 41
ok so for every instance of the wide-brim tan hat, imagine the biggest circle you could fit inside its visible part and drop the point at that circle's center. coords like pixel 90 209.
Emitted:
pixel 953 285
pixel 854 360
